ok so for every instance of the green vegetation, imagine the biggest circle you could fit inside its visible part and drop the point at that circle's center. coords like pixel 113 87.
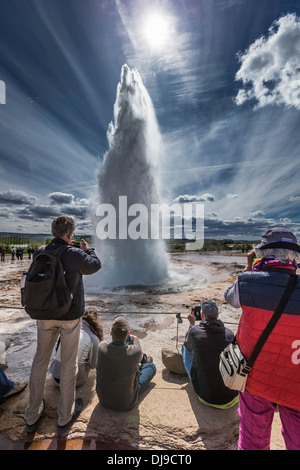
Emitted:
pixel 177 246
pixel 173 246
pixel 9 240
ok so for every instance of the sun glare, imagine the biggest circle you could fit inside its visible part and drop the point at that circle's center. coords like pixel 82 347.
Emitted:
pixel 156 30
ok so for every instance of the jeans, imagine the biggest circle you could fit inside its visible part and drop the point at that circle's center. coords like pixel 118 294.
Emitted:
pixel 5 384
pixel 256 416
pixel 187 357
pixel 147 372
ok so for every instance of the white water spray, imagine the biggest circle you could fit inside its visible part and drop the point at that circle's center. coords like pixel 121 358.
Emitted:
pixel 135 149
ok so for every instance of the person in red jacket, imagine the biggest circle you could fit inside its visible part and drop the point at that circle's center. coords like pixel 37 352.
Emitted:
pixel 3 253
pixel 274 380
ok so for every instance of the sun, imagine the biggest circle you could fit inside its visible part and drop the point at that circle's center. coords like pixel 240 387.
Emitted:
pixel 156 30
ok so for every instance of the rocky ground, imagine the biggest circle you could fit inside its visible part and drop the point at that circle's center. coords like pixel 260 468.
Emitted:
pixel 169 416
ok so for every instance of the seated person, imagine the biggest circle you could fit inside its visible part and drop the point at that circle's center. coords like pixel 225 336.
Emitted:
pixel 8 388
pixel 201 350
pixel 90 336
pixel 122 374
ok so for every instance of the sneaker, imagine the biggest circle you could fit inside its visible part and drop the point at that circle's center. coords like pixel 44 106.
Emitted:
pixel 146 359
pixel 17 388
pixel 78 409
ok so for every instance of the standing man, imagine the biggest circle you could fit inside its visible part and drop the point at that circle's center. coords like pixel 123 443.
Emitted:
pixel 76 263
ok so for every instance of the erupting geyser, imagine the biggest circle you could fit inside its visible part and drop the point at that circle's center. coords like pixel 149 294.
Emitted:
pixel 128 171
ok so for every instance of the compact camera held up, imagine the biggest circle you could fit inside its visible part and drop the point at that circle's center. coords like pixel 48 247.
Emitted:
pixel 197 312
pixel 76 244
pixel 82 244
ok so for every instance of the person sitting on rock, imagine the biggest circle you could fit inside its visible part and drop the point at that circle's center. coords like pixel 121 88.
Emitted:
pixel 8 387
pixel 201 350
pixel 123 372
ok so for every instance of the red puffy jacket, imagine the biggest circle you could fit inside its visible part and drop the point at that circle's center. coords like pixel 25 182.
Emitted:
pixel 275 374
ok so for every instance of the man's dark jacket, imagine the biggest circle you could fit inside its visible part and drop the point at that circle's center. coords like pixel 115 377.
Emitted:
pixel 76 263
pixel 206 341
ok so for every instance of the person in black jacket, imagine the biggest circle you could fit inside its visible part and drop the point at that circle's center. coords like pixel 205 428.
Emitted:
pixel 201 350
pixel 76 263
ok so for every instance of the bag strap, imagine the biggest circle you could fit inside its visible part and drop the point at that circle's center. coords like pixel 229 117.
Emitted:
pixel 272 322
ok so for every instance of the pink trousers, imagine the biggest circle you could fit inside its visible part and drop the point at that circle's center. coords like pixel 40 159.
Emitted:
pixel 256 416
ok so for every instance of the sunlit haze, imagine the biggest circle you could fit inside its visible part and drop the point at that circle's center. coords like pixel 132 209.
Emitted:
pixel 157 29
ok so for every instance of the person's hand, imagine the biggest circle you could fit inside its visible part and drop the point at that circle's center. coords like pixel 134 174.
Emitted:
pixel 250 257
pixel 84 245
pixel 191 318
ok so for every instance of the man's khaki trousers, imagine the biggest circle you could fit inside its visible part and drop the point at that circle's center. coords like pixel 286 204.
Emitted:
pixel 47 334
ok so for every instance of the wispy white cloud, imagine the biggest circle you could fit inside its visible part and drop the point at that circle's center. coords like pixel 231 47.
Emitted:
pixel 179 58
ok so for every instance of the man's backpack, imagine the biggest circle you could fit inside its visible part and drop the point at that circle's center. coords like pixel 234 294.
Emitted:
pixel 47 296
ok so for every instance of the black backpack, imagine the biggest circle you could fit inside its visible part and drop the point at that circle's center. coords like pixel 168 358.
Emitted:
pixel 47 296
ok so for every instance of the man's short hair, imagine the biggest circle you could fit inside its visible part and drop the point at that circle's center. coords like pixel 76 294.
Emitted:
pixel 62 226
pixel 209 309
pixel 119 329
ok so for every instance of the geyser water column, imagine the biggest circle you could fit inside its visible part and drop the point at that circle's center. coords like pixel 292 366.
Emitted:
pixel 128 174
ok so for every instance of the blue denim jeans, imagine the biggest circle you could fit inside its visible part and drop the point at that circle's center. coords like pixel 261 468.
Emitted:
pixel 147 372
pixel 187 357
pixel 5 384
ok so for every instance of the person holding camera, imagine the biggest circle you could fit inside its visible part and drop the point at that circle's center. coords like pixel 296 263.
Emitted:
pixel 201 350
pixel 123 373
pixel 75 264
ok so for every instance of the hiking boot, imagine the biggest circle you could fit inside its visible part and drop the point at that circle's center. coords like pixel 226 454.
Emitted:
pixel 78 409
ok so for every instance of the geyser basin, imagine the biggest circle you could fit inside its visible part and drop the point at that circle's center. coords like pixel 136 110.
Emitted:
pixel 128 170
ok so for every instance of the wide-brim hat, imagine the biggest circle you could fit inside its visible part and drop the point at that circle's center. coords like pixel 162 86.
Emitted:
pixel 279 238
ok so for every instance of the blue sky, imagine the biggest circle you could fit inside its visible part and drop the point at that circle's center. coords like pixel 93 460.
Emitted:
pixel 225 85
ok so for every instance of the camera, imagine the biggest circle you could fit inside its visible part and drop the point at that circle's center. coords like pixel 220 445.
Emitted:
pixel 129 340
pixel 76 244
pixel 197 312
